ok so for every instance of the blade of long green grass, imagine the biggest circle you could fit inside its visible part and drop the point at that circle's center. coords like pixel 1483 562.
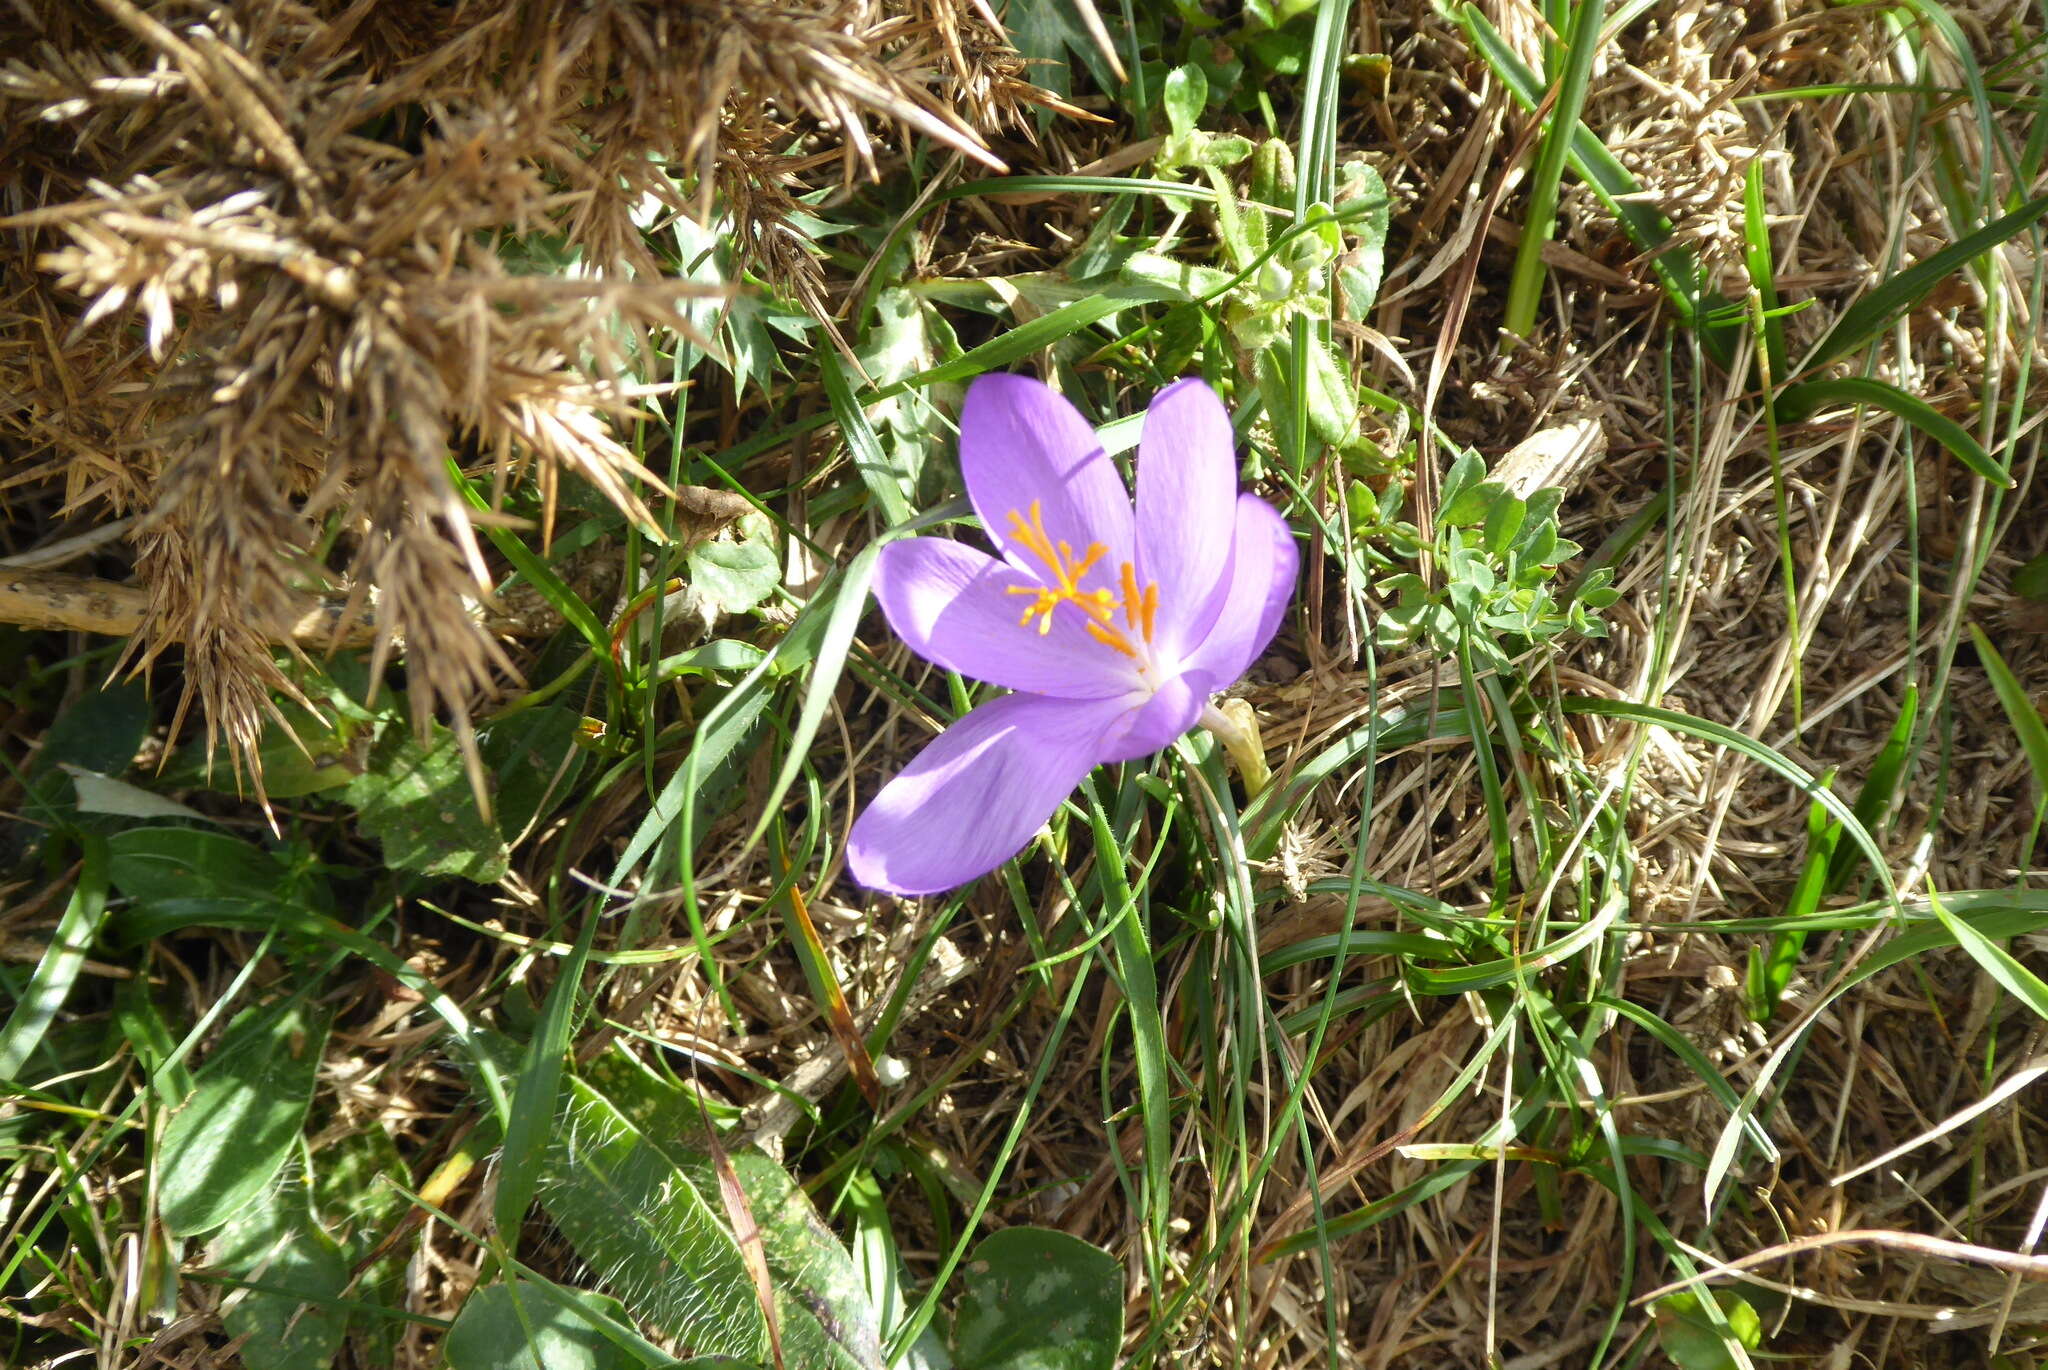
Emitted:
pixel 1139 981
pixel 530 1120
pixel 58 968
pixel 2000 964
pixel 848 600
pixel 862 441
pixel 1880 786
pixel 1581 1069
pixel 1525 284
pixel 1788 565
pixel 927 1308
pixel 1798 402
pixel 1756 244
pixel 1765 756
pixel 2019 708
pixel 1677 268
pixel 1864 320
pixel 1695 1060
pixel 1960 51
pixel 1770 971
pixel 534 570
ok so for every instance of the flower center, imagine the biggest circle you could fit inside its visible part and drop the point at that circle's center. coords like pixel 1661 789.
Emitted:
pixel 1099 607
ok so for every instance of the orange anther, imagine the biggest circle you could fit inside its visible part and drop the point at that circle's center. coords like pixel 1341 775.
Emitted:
pixel 1098 606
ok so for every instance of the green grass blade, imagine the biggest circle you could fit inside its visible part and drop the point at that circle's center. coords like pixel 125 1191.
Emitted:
pixel 536 572
pixel 2026 721
pixel 1874 800
pixel 861 439
pixel 58 968
pixel 1798 402
pixel 721 730
pixel 1767 757
pixel 1525 286
pixel 1873 313
pixel 1140 984
pixel 1771 971
pixel 848 603
pixel 1695 1060
pixel 1677 269
pixel 1756 254
pixel 535 1094
pixel 1997 962
pixel 1034 336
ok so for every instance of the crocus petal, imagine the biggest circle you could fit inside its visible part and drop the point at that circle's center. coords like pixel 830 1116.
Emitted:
pixel 1187 510
pixel 1020 443
pixel 1171 711
pixel 973 798
pixel 1261 582
pixel 953 606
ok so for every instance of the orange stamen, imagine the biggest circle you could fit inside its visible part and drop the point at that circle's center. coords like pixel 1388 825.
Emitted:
pixel 1110 637
pixel 1131 596
pixel 1098 607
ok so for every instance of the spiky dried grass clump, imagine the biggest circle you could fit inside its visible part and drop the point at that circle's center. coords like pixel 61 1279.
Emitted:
pixel 256 291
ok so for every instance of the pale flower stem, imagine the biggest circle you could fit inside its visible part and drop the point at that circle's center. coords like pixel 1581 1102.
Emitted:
pixel 1237 728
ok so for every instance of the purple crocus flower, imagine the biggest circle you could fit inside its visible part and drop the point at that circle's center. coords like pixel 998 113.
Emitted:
pixel 1112 626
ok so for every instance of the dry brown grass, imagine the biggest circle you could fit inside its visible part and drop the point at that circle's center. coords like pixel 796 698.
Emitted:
pixel 301 206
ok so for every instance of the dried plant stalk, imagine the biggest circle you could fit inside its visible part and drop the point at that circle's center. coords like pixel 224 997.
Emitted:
pixel 255 289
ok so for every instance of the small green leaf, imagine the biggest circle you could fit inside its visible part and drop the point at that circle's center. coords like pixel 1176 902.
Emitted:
pixel 1035 1299
pixel 1503 520
pixel 99 732
pixel 157 864
pixel 1470 504
pixel 231 1136
pixel 103 794
pixel 1332 403
pixel 1466 470
pixel 286 1325
pixel 1185 97
pixel 534 758
pixel 2031 580
pixel 828 1321
pixel 1273 173
pixel 1220 150
pixel 731 577
pixel 1185 280
pixel 635 1217
pixel 1363 262
pixel 416 801
pixel 906 340
pixel 1688 1334
pixel 1362 505
pixel 516 1326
